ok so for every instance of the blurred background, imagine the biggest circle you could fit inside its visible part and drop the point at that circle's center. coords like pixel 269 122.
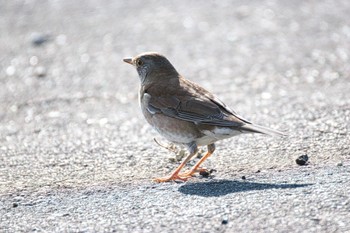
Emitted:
pixel 69 110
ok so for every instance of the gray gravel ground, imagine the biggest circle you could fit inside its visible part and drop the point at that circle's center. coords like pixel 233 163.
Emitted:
pixel 77 156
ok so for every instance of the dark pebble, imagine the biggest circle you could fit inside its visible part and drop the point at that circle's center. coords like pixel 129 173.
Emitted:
pixel 243 178
pixel 302 160
pixel 37 130
pixel 224 221
pixel 15 204
pixel 40 72
pixel 39 39
pixel 206 173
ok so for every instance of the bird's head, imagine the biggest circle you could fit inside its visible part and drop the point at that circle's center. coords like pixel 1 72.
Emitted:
pixel 152 67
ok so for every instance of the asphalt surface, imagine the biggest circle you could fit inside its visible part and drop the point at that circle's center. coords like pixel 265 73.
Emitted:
pixel 76 154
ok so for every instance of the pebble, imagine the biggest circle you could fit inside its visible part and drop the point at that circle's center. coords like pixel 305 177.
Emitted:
pixel 224 221
pixel 206 173
pixel 40 72
pixel 340 164
pixel 38 39
pixel 302 160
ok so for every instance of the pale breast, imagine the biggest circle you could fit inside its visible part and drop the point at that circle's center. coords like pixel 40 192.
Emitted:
pixel 175 130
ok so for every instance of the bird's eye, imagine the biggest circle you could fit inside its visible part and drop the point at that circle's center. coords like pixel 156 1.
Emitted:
pixel 139 62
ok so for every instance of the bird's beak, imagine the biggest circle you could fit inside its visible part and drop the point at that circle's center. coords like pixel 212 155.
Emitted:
pixel 128 60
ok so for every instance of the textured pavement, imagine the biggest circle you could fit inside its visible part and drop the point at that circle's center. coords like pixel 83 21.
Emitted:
pixel 76 154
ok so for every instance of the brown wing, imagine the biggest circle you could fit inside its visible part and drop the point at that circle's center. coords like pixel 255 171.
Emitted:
pixel 183 99
pixel 191 103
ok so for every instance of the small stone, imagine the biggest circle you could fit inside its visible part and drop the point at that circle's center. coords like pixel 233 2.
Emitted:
pixel 258 171
pixel 205 173
pixel 39 39
pixel 224 221
pixel 340 164
pixel 40 71
pixel 302 160
pixel 212 171
pixel 15 204
pixel 243 178
pixel 37 130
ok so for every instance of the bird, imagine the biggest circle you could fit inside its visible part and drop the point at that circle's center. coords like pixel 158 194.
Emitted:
pixel 185 113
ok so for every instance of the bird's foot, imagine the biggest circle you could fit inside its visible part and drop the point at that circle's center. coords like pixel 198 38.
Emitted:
pixel 191 172
pixel 173 177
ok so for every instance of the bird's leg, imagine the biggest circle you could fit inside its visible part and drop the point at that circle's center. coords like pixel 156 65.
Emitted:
pixel 196 168
pixel 175 175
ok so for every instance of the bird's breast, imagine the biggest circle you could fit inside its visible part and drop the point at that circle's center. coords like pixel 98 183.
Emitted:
pixel 174 130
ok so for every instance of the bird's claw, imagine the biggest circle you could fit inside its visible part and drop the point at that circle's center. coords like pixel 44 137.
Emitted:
pixel 175 177
pixel 191 172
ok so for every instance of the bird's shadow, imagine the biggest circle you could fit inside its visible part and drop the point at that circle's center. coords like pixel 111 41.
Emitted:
pixel 216 188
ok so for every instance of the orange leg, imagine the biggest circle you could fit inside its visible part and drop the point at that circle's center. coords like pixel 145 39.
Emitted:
pixel 175 175
pixel 196 168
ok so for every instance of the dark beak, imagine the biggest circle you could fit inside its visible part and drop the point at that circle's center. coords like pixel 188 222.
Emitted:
pixel 128 60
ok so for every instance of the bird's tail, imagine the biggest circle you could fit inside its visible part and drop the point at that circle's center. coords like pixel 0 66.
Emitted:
pixel 261 129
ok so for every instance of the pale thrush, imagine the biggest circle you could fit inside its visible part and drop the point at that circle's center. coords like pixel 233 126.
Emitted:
pixel 184 112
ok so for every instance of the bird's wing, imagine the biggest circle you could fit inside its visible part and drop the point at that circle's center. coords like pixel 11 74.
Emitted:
pixel 200 92
pixel 201 112
pixel 192 108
